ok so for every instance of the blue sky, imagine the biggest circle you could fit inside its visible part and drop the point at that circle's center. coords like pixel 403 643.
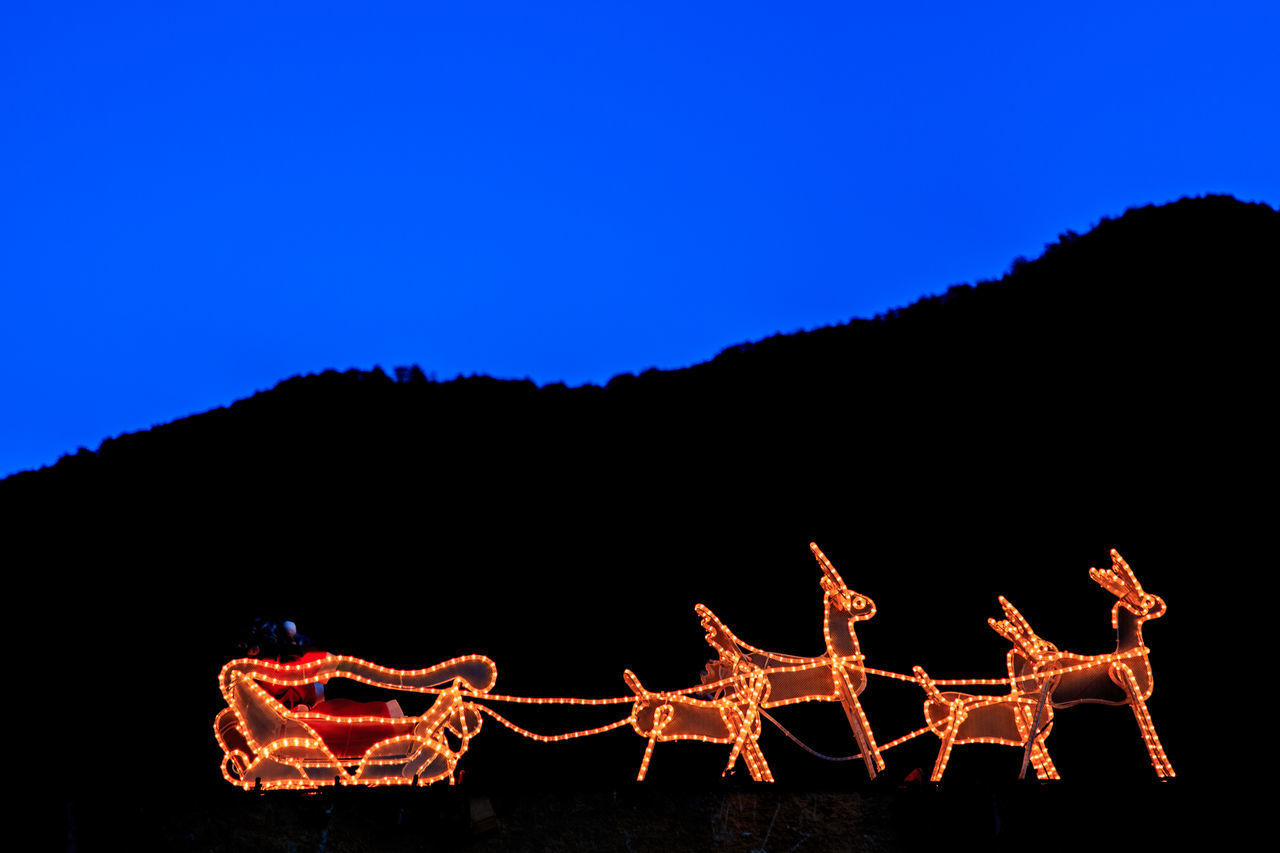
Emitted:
pixel 198 200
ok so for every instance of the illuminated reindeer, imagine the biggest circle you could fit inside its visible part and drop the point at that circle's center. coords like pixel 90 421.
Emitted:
pixel 1042 678
pixel 837 676
pixel 1017 719
pixel 734 718
pixel 1063 679
pixel 745 680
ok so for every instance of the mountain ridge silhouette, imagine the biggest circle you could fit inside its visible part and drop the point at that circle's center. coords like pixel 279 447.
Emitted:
pixel 1061 274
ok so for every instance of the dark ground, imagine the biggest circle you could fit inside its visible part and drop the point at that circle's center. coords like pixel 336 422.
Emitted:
pixel 633 817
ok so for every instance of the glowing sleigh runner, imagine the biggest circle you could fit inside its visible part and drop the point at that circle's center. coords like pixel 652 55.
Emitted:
pixel 268 745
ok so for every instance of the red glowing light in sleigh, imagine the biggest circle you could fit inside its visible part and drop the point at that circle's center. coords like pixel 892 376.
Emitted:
pixel 269 745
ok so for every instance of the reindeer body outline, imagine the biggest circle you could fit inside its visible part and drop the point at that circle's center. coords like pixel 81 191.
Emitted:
pixel 663 717
pixel 744 680
pixel 1016 719
pixel 1122 677
pixel 793 678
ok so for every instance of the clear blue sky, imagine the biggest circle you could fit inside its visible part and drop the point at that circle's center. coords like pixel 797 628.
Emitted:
pixel 198 200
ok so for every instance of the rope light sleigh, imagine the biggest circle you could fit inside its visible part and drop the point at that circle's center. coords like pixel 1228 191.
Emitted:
pixel 268 745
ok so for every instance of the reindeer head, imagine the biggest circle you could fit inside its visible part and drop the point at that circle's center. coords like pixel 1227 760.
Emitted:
pixel 1120 581
pixel 1017 630
pixel 835 594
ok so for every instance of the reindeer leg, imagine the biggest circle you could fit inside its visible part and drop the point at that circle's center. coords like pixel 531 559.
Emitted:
pixel 1159 760
pixel 744 740
pixel 958 714
pixel 756 763
pixel 1031 736
pixel 648 755
pixel 860 725
pixel 1040 759
pixel 743 725
pixel 1042 762
pixel 661 717
pixel 748 745
pixel 1021 718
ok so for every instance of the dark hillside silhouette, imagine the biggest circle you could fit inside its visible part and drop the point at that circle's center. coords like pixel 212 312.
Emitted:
pixel 997 438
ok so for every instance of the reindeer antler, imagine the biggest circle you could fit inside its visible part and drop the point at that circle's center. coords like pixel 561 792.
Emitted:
pixel 833 586
pixel 828 568
pixel 1120 581
pixel 930 689
pixel 1017 630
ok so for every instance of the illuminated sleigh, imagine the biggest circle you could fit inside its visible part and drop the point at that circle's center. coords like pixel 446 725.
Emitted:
pixel 268 745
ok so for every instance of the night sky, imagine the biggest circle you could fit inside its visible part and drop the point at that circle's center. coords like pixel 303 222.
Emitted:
pixel 197 202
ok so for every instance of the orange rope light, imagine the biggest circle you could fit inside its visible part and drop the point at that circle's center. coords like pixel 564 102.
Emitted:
pixel 267 745
pixel 744 680
pixel 1042 678
pixel 608 727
